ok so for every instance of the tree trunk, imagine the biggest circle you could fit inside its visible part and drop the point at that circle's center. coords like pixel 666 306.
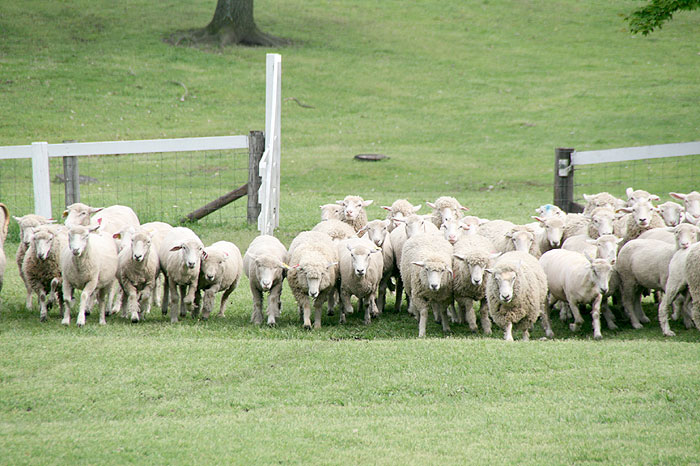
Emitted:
pixel 232 24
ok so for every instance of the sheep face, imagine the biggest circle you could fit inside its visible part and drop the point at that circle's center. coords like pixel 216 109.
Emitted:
pixel 79 214
pixel 377 231
pixel 415 224
pixel 192 253
pixel 470 224
pixel 505 281
pixel 360 258
pixel 353 206
pixel 316 276
pixel 212 265
pixel 671 212
pixel 606 247
pixel 554 229
pixel 267 271
pixel 522 240
pixel 549 210
pixel 452 230
pixel 686 234
pixel 600 274
pixel 78 238
pixel 639 195
pixel 27 235
pixel 602 220
pixel 140 246
pixel 331 211
pixel 432 274
pixel 43 241
pixel 691 202
pixel 641 212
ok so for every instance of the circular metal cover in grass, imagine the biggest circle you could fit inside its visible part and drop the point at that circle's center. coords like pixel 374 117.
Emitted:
pixel 371 157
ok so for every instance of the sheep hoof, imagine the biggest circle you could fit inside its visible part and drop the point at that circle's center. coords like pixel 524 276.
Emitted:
pixel 331 312
pixel 164 311
pixel 637 326
pixel 670 333
pixel 134 319
pixel 573 327
pixel 549 334
pixel 307 326
pixel 42 318
pixel 597 336
pixel 612 326
pixel 272 324
pixel 65 322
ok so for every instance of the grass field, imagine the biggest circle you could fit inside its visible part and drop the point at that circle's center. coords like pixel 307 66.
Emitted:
pixel 467 99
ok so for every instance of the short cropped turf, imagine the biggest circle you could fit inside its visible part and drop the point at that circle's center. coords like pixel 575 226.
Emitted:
pixel 466 98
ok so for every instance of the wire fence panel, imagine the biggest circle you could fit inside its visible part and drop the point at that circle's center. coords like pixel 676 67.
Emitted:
pixel 658 176
pixel 163 186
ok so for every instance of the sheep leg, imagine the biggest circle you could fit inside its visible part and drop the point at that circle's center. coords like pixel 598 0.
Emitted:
pixel 422 312
pixel 116 296
pixel 381 296
pixel 274 304
pixel 188 300
pixel 305 308
pixel 256 317
pixel 85 301
pixel 508 332
pixel 102 301
pixel 372 308
pixel 346 306
pixel 485 320
pixel 67 299
pixel 595 313
pixel 333 299
pixel 467 313
pixel 609 316
pixel 43 308
pixel 578 320
pixel 687 313
pixel 441 310
pixel 628 303
pixel 695 306
pixel 27 286
pixel 546 323
pixel 224 298
pixel 399 295
pixel 184 298
pixel 157 298
pixel 668 298
pixel 165 300
pixel 144 302
pixel 318 308
pixel 526 334
pixel 207 302
pixel 173 300
pixel 131 306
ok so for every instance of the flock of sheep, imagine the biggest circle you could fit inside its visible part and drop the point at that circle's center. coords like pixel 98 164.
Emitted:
pixel 444 261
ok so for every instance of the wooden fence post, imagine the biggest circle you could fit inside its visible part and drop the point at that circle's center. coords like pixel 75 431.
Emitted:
pixel 256 146
pixel 564 181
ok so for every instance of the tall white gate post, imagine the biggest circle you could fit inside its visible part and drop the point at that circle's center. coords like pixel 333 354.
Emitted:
pixel 40 178
pixel 269 193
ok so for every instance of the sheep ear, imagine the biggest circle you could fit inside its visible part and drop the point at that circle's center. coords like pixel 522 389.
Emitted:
pixel 488 270
pixel 331 264
pixel 539 219
pixel 51 220
pixel 461 257
pixel 629 192
pixel 367 203
pixel 495 255
pixel 376 249
pixel 65 214
pixel 400 220
pixel 93 229
pixel 348 246
pixel 483 220
pixel 431 205
pixel 285 266
pixel 340 202
pixel 419 263
pixel 678 196
pixel 626 210
pixel 117 236
pixel 362 230
pixel 587 197
pixel 94 210
pixel 509 234
pixel 386 207
pixel 204 255
pixel 654 197
pixel 588 256
pixel 176 248
pixel 591 242
pixel 417 208
pixel 17 219
pixel 461 207
pixel 619 240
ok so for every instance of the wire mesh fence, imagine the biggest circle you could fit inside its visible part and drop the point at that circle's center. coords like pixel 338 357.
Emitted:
pixel 658 176
pixel 162 186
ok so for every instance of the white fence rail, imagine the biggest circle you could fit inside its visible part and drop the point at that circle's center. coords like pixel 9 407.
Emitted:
pixel 41 152
pixel 269 193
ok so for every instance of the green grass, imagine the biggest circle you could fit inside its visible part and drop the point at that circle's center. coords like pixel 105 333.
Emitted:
pixel 467 99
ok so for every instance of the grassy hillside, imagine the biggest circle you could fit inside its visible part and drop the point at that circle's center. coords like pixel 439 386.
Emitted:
pixel 467 99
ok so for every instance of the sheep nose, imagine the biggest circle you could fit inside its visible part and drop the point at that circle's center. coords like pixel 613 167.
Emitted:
pixel 359 272
pixel 190 265
pixel 75 252
pixel 604 290
pixel 506 298
pixel 452 239
pixel 210 277
pixel 476 282
pixel 138 257
pixel 313 294
pixel 266 285
pixel 685 245
pixel 434 286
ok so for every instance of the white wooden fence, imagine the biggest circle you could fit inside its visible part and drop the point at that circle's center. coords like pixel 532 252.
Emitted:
pixel 566 161
pixel 40 152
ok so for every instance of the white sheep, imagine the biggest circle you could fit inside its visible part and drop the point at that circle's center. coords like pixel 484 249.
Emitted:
pixel 159 231
pixel 603 247
pixel 110 219
pixel 445 208
pixel 378 233
pixel 472 255
pixel 506 236
pixel 89 263
pixel 576 279
pixel 642 264
pixel 549 210
pixel 4 224
pixel 354 211
pixel 691 203
pixel 676 284
pixel 180 256
pixel 516 292
pixel 42 264
pixel 360 267
pixel 331 212
pixel 672 213
pixel 603 199
pixel 641 216
pixel 336 229
pixel 313 262
pixel 600 221
pixel 692 278
pixel 26 223
pixel 221 268
pixel 639 195
pixel 549 233
pixel 137 271
pixel 264 263
pixel 400 209
pixel 426 271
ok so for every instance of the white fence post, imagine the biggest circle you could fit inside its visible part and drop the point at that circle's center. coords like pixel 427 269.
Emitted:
pixel 269 193
pixel 40 178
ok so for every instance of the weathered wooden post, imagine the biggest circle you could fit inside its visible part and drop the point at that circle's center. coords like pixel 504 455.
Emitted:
pixel 256 147
pixel 71 176
pixel 564 181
